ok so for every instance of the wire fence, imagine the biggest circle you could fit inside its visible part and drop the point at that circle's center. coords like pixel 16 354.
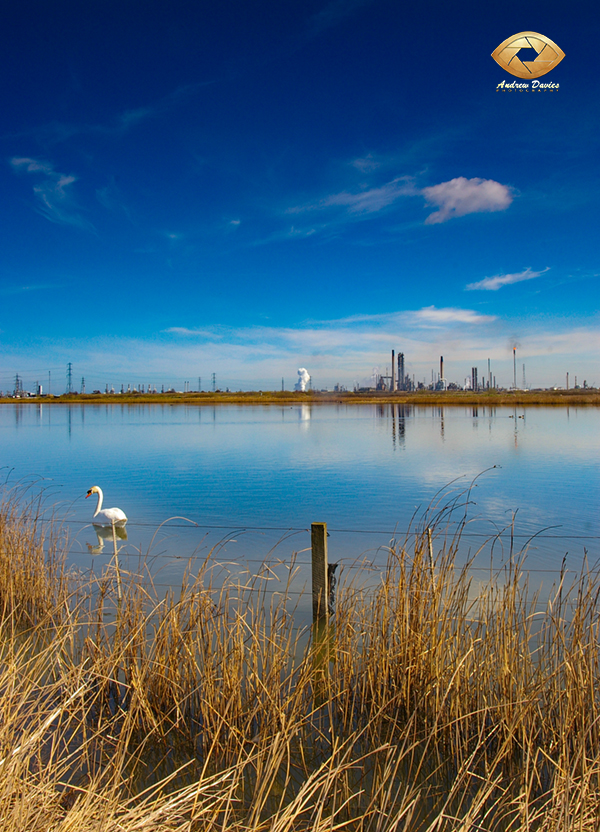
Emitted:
pixel 395 537
pixel 393 532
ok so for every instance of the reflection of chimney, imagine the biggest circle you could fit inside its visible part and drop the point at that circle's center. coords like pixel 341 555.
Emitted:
pixel 393 379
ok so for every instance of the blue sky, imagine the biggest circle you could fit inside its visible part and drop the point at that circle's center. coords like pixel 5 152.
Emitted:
pixel 246 188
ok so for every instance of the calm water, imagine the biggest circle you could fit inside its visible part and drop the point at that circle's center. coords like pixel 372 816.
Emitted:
pixel 245 475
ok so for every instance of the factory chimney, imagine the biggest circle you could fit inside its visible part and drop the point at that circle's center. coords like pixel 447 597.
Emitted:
pixel 393 378
pixel 401 376
pixel 442 371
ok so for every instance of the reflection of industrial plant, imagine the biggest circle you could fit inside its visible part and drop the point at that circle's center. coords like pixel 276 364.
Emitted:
pixel 398 413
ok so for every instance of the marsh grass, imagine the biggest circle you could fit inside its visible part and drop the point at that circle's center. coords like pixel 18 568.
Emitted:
pixel 441 708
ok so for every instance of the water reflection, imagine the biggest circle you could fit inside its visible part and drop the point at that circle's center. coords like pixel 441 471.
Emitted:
pixel 514 415
pixel 403 411
pixel 251 468
pixel 399 413
pixel 105 533
pixel 304 414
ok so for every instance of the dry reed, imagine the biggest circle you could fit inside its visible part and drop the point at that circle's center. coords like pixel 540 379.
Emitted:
pixel 441 708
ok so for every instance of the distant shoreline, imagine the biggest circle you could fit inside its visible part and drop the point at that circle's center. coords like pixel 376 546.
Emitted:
pixel 453 398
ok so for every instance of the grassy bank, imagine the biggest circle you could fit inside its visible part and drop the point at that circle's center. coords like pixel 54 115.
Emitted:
pixel 451 398
pixel 202 710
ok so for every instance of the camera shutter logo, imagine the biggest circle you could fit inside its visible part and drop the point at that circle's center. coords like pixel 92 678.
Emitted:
pixel 548 56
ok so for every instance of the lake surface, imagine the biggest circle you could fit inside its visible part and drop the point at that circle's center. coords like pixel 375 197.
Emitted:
pixel 253 478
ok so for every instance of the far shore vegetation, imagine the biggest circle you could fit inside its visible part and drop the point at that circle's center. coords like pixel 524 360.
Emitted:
pixel 430 703
pixel 451 398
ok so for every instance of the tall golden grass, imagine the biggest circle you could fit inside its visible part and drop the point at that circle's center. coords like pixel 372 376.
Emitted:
pixel 442 708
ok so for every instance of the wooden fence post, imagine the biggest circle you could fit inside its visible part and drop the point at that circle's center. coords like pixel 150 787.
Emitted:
pixel 116 556
pixel 318 542
pixel 321 636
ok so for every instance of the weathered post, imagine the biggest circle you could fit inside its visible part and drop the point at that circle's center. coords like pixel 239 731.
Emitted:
pixel 116 554
pixel 318 542
pixel 321 636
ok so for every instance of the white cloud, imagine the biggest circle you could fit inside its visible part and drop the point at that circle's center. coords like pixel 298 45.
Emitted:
pixel 492 284
pixel 54 198
pixel 462 196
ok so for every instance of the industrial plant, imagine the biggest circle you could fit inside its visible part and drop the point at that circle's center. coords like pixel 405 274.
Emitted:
pixel 395 379
pixel 398 380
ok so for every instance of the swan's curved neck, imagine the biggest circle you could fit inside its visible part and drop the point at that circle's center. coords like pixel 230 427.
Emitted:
pixel 99 505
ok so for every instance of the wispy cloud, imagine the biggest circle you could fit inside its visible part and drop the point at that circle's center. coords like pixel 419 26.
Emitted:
pixel 492 284
pixel 17 290
pixel 462 196
pixel 450 315
pixel 341 350
pixel 367 201
pixel 455 198
pixel 54 199
pixel 346 349
pixel 131 118
pixel 111 198
pixel 351 336
pixel 366 164
pixel 199 332
pixel 55 132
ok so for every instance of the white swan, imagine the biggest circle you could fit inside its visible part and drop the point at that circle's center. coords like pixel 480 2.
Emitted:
pixel 108 516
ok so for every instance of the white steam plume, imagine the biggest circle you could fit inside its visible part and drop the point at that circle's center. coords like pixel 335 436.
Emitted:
pixel 303 379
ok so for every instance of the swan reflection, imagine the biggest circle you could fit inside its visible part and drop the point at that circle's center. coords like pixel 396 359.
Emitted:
pixel 105 533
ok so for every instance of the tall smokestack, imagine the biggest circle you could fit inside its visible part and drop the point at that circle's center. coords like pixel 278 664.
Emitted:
pixel 401 377
pixel 393 379
pixel 515 367
pixel 442 370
